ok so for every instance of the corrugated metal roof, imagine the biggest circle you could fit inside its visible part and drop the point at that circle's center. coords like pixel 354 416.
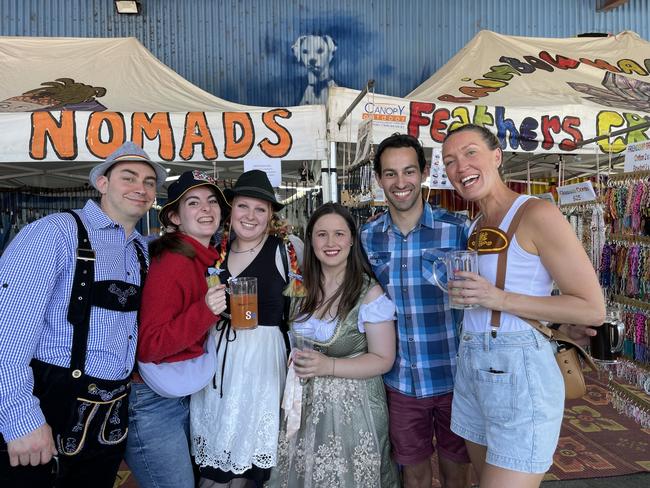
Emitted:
pixel 241 50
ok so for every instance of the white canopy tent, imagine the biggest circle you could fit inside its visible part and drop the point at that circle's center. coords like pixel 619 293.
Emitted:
pixel 541 96
pixel 68 102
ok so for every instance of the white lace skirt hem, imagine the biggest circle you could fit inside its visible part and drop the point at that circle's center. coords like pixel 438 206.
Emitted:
pixel 233 432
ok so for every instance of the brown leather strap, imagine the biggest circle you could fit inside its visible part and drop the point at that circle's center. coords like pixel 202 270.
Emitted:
pixel 495 319
pixel 561 337
pixel 554 335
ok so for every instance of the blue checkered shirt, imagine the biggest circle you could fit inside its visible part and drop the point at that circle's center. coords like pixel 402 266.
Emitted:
pixel 426 327
pixel 36 274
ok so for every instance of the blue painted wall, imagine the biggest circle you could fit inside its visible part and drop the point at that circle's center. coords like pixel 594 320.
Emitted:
pixel 242 50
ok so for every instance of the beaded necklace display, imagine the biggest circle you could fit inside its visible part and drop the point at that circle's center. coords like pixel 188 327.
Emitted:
pixel 625 267
pixel 625 260
pixel 628 205
pixel 588 223
pixel 625 274
pixel 628 382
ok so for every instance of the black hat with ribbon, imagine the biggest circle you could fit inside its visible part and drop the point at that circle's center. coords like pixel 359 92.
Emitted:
pixel 254 184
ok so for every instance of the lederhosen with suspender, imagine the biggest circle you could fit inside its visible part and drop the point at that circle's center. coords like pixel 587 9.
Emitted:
pixel 87 415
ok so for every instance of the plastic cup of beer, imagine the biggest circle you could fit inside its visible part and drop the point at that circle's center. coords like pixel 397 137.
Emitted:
pixel 243 302
pixel 301 339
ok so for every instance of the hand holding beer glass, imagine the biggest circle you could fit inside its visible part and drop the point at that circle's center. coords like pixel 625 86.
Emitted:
pixel 607 345
pixel 215 297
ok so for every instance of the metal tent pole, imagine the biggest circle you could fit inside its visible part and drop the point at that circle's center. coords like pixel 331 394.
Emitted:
pixel 643 125
pixel 356 101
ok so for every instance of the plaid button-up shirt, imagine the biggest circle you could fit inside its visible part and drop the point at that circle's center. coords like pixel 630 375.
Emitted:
pixel 426 327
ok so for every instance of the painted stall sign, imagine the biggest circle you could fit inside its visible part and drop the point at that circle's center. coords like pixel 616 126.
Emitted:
pixel 519 129
pixel 189 136
pixel 527 133
pixel 512 68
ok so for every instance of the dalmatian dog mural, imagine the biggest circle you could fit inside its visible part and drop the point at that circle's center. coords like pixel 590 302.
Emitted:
pixel 315 53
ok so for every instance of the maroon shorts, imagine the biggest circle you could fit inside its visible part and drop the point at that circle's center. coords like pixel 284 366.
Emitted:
pixel 413 422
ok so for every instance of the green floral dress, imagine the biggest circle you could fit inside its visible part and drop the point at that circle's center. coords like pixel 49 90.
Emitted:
pixel 343 436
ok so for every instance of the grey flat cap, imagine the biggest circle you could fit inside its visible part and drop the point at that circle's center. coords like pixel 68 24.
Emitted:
pixel 128 151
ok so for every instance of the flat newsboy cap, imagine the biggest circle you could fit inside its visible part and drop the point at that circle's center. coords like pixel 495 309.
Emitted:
pixel 254 184
pixel 129 151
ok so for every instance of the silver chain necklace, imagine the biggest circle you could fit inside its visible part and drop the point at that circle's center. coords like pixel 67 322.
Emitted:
pixel 251 250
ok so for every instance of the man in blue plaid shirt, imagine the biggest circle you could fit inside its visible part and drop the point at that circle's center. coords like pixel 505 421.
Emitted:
pixel 402 246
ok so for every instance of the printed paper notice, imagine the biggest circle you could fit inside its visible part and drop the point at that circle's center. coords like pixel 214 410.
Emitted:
pixel 576 193
pixel 364 142
pixel 637 157
pixel 438 175
pixel 272 168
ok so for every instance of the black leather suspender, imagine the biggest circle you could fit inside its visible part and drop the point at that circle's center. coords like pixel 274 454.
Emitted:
pixel 81 297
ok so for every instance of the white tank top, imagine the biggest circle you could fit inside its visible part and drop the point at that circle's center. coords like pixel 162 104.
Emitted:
pixel 525 274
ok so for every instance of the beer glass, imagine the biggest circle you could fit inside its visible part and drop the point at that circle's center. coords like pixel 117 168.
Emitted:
pixel 454 261
pixel 301 338
pixel 243 302
pixel 607 344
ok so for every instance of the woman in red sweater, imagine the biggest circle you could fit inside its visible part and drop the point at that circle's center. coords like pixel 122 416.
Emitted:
pixel 177 312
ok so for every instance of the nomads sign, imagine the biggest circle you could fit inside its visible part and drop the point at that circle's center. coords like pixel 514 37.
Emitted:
pixel 58 103
pixel 189 136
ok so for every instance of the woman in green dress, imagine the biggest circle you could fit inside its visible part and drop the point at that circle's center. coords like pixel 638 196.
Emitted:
pixel 335 423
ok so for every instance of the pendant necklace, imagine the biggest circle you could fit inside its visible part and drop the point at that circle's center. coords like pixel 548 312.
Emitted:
pixel 251 250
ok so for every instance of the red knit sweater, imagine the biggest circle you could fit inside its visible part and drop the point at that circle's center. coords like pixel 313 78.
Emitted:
pixel 174 318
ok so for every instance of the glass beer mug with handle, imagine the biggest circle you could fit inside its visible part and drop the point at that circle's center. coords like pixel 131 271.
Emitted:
pixel 607 344
pixel 243 302
pixel 454 261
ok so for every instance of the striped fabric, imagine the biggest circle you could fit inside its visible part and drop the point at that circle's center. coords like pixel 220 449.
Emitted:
pixel 36 273
pixel 426 326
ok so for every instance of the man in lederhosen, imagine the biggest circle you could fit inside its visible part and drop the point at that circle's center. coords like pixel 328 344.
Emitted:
pixel 69 294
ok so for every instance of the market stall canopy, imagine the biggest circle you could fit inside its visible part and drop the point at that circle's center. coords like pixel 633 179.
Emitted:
pixel 532 72
pixel 541 96
pixel 76 100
